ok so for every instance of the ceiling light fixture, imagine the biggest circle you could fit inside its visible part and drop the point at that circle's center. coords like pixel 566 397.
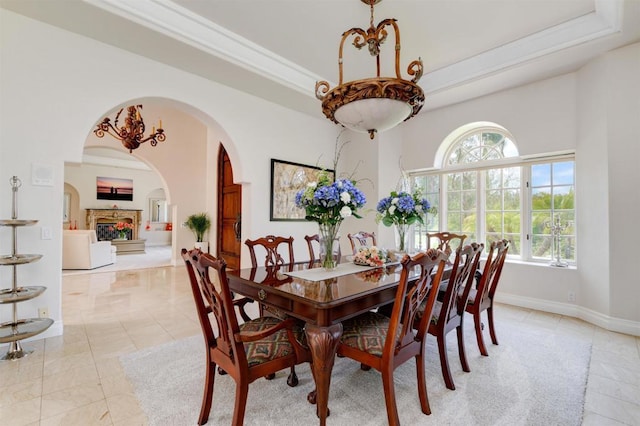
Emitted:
pixel 378 103
pixel 132 133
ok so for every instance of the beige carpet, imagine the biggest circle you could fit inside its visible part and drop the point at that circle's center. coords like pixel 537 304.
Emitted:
pixel 531 378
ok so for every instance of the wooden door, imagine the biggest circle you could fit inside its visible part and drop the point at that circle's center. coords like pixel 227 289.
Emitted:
pixel 229 212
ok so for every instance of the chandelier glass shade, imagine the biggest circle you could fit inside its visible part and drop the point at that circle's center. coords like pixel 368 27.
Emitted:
pixel 131 134
pixel 377 103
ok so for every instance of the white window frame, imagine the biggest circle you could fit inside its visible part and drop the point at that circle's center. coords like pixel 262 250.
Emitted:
pixel 524 162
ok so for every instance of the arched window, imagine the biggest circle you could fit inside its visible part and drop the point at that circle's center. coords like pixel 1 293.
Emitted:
pixel 484 189
pixel 481 145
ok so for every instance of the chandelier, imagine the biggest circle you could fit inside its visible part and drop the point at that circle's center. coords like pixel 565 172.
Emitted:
pixel 377 103
pixel 132 133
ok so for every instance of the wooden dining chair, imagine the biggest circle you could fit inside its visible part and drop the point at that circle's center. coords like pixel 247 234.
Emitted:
pixel 271 245
pixel 445 241
pixel 247 351
pixel 385 343
pixel 448 314
pixel 315 255
pixel 273 248
pixel 481 298
pixel 361 239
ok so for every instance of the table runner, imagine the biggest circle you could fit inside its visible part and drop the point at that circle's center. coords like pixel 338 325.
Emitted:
pixel 320 274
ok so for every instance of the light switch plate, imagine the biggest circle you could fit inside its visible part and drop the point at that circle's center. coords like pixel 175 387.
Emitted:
pixel 46 233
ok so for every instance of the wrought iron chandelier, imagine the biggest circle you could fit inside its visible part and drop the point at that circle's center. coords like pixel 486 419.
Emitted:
pixel 132 133
pixel 377 103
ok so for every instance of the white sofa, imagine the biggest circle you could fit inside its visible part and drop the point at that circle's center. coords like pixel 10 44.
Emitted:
pixel 82 250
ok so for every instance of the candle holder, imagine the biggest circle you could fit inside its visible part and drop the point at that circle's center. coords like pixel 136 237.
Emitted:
pixel 557 228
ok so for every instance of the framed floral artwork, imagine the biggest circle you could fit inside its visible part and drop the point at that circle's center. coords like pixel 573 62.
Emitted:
pixel 287 179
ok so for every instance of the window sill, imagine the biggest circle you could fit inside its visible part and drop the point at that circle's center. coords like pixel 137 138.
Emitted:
pixel 544 264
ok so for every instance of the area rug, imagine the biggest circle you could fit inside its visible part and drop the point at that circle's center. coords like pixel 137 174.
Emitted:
pixel 534 377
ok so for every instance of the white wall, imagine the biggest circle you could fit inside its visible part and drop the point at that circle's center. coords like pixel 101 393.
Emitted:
pixel 53 92
pixel 540 116
pixel 592 172
pixel 623 142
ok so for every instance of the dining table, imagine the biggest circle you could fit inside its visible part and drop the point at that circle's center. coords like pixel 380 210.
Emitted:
pixel 323 299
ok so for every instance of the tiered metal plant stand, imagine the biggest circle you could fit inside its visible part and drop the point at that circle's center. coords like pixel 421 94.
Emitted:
pixel 19 329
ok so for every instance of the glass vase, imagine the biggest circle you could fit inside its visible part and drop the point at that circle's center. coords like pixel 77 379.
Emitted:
pixel 402 237
pixel 328 244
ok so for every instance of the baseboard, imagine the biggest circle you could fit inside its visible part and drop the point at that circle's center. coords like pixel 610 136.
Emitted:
pixel 596 318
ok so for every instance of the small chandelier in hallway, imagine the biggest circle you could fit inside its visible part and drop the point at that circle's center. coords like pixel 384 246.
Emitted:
pixel 132 133
pixel 377 103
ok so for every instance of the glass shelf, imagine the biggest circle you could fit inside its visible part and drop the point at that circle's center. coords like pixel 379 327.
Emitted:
pixel 19 259
pixel 17 222
pixel 23 329
pixel 9 295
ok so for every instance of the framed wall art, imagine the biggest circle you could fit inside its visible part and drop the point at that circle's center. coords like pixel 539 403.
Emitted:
pixel 287 179
pixel 114 189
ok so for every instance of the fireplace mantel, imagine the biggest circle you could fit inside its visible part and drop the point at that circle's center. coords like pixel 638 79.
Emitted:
pixel 95 216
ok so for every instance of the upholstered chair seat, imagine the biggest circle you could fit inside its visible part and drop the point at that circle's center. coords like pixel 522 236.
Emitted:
pixel 366 332
pixel 271 347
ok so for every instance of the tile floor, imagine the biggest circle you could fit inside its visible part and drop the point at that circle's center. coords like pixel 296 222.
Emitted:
pixel 76 379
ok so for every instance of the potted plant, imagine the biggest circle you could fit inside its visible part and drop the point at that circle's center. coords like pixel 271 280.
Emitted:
pixel 199 223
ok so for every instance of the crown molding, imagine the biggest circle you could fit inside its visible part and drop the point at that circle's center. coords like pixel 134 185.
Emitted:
pixel 604 21
pixel 181 24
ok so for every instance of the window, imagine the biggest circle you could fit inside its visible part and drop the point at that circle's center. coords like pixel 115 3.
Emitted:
pixel 429 186
pixel 553 205
pixel 485 191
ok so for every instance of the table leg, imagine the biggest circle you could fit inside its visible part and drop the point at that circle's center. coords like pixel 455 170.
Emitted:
pixel 322 343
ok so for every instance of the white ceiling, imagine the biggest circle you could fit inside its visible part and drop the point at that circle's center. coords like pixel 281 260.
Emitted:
pixel 277 49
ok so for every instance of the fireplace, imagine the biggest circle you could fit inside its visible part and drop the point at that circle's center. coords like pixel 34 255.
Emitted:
pixel 102 219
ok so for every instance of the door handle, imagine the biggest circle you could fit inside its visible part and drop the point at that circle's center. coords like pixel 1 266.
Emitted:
pixel 237 227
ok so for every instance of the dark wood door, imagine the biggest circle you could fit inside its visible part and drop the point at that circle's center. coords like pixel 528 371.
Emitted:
pixel 229 212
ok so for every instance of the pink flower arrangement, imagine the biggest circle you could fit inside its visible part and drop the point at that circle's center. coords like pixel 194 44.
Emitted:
pixel 122 228
pixel 370 256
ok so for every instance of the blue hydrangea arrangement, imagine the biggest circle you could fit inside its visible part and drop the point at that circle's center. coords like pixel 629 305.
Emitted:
pixel 329 202
pixel 402 208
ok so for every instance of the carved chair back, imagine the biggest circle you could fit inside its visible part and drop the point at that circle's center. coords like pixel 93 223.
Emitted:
pixel 271 245
pixel 216 302
pixel 448 313
pixel 492 271
pixel 445 241
pixel 411 294
pixel 460 281
pixel 386 343
pixel 361 239
pixel 481 298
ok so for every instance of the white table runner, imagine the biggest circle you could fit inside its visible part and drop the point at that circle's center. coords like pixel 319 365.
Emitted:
pixel 320 274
